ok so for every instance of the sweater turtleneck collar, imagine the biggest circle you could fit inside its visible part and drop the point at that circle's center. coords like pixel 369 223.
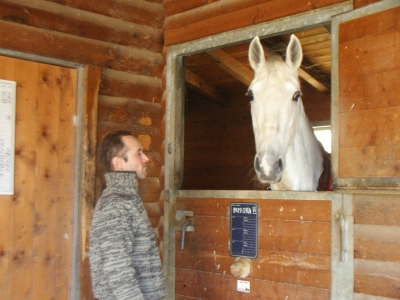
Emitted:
pixel 122 182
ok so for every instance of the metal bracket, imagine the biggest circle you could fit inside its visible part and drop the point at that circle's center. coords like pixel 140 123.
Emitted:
pixel 181 214
pixel 344 229
pixel 183 224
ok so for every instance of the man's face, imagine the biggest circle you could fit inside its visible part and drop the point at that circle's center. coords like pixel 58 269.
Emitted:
pixel 135 158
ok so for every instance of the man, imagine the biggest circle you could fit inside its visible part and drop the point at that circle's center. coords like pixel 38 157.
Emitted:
pixel 124 258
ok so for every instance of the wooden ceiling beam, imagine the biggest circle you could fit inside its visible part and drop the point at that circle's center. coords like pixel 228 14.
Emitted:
pixel 204 86
pixel 311 80
pixel 245 75
pixel 232 66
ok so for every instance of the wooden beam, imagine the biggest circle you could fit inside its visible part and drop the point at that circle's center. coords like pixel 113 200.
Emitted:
pixel 246 75
pixel 311 80
pixel 204 86
pixel 138 12
pixel 54 17
pixel 54 44
pixel 232 66
pixel 213 18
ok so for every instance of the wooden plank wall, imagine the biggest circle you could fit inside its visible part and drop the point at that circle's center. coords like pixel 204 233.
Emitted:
pixel 125 39
pixel 293 253
pixel 36 222
pixel 376 245
pixel 369 65
pixel 219 145
pixel 219 142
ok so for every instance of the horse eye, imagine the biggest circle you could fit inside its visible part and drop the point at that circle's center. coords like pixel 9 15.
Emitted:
pixel 296 96
pixel 250 95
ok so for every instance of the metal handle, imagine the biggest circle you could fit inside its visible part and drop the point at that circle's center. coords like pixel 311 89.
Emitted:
pixel 183 223
pixel 183 234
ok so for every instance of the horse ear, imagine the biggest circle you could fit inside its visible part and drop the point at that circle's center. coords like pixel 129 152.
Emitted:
pixel 256 54
pixel 294 53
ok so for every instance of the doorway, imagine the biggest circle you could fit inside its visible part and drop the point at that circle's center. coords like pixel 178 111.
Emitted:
pixel 218 136
pixel 36 223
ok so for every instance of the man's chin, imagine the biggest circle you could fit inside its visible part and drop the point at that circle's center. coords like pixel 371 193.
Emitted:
pixel 141 175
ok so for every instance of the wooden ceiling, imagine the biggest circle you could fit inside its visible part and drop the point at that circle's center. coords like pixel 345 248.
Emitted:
pixel 223 72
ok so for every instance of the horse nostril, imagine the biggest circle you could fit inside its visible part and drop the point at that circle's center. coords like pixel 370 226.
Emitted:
pixel 279 166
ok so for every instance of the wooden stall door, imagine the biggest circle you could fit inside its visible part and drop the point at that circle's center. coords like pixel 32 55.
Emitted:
pixel 294 251
pixel 36 222
pixel 368 98
pixel 369 141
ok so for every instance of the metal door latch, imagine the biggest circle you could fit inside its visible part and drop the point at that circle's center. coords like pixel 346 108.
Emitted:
pixel 183 224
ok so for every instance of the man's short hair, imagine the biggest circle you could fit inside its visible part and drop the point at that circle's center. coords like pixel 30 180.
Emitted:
pixel 112 146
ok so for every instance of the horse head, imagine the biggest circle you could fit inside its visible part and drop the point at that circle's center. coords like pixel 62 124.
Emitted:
pixel 276 108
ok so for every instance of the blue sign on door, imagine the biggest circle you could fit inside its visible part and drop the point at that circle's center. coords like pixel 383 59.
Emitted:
pixel 244 231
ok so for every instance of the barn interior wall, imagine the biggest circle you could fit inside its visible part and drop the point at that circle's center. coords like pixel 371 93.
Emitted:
pixel 376 242
pixel 219 145
pixel 125 39
pixel 219 141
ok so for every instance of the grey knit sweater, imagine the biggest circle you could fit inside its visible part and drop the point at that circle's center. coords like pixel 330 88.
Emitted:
pixel 124 258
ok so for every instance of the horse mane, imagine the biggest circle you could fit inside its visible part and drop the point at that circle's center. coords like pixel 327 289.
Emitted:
pixel 325 180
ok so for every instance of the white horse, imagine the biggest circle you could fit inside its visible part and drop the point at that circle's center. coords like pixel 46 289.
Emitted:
pixel 288 155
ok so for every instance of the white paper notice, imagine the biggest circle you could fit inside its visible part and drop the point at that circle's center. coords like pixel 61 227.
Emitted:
pixel 243 286
pixel 7 136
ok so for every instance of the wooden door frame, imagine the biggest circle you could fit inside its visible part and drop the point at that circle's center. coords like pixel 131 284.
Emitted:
pixel 175 119
pixel 88 83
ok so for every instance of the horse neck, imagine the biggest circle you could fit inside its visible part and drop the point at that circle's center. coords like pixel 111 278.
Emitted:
pixel 305 134
pixel 304 155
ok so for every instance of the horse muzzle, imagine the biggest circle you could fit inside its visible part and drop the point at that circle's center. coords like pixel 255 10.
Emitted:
pixel 269 169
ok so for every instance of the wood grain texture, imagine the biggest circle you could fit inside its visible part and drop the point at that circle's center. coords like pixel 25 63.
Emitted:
pixel 122 84
pixel 7 72
pixel 138 11
pixel 41 209
pixel 89 147
pixel 242 17
pixel 377 210
pixel 25 168
pixel 172 7
pixel 65 198
pixel 44 266
pixel 369 63
pixel 42 42
pixel 137 61
pixel 377 242
pixel 377 278
pixel 204 285
pixel 68 20
pixel 293 254
pixel 376 245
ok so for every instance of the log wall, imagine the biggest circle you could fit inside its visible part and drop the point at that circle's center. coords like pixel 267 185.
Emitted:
pixel 124 39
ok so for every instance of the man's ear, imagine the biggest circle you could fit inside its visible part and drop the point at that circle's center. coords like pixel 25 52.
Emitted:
pixel 116 163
